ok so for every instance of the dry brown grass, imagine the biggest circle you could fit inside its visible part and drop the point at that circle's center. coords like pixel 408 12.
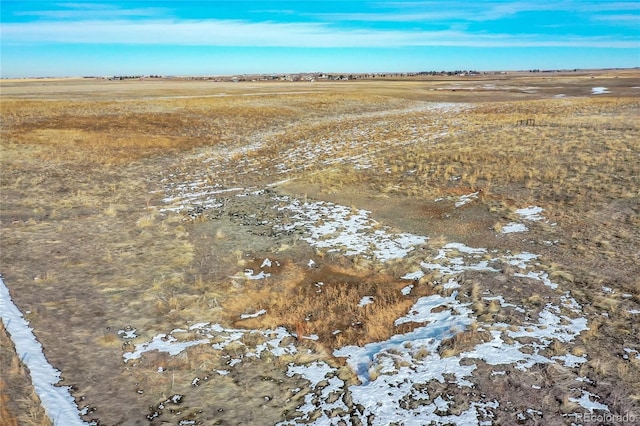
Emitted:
pixel 325 302
pixel 578 147
pixel 109 133
pixel 81 225
pixel 19 404
pixel 464 341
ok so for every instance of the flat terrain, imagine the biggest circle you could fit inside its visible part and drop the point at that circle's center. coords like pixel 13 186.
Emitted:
pixel 457 250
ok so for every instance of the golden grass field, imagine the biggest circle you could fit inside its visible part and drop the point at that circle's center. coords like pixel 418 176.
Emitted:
pixel 88 247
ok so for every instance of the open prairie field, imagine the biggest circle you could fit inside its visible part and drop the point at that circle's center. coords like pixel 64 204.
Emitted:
pixel 446 250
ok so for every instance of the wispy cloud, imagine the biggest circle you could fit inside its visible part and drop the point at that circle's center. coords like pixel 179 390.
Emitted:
pixel 607 6
pixel 97 23
pixel 618 19
pixel 79 11
pixel 480 10
pixel 433 12
pixel 271 34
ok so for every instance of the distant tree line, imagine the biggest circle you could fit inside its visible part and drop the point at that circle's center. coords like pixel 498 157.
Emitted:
pixel 130 77
pixel 538 70
pixel 450 73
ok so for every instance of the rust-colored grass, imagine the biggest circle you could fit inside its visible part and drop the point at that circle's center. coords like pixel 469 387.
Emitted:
pixel 325 302
pixel 19 404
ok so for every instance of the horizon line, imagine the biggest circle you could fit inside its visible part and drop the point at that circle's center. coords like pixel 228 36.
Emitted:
pixel 291 73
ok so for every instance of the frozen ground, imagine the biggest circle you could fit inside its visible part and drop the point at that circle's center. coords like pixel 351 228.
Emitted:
pixel 412 378
pixel 395 375
pixel 531 213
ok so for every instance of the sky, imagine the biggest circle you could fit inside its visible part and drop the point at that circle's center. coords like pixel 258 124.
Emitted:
pixel 102 38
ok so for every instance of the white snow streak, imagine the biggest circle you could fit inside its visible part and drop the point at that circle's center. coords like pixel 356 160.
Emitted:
pixel 56 400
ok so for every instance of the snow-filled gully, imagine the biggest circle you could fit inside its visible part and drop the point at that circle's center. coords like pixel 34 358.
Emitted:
pixel 56 400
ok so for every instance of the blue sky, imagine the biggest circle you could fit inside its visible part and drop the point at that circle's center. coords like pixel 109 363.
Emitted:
pixel 75 38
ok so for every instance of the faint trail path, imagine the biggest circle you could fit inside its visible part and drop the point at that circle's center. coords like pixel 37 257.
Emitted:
pixel 270 158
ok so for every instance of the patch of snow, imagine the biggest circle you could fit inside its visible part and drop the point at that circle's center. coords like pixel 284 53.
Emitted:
pixel 504 304
pixel 266 263
pixel 183 195
pixel 316 373
pixel 255 315
pixel 350 231
pixel 540 276
pixel 127 333
pixel 631 352
pixel 599 90
pixel 521 259
pixel 531 213
pixel 199 325
pixel 260 276
pixel 553 326
pixel 464 248
pixel 56 400
pixel 585 402
pixel 421 312
pixel 366 300
pixel 464 199
pixel 498 352
pixel 223 338
pixel 451 284
pixel 423 339
pixel 570 360
pixel 413 275
pixel 407 290
pixel 513 227
pixel 455 265
pixel 570 303
pixel 162 343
